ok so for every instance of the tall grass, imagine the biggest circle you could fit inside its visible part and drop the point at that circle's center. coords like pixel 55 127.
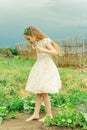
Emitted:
pixel 14 73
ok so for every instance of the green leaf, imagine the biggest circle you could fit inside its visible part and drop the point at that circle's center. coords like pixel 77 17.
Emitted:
pixel 85 116
pixel 1 119
pixel 63 120
pixel 69 121
pixel 13 114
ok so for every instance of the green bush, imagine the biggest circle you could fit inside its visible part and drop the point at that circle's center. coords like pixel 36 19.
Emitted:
pixel 29 104
pixel 13 51
pixel 75 96
pixel 6 53
pixel 15 104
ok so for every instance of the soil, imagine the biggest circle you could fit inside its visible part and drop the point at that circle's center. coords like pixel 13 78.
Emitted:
pixel 19 123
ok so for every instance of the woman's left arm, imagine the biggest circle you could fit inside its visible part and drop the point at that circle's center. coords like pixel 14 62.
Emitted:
pixel 49 49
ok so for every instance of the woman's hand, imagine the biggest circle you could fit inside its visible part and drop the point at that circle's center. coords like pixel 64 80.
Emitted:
pixel 40 49
pixel 51 50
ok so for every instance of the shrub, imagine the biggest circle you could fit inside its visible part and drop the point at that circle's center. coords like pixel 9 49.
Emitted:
pixel 13 51
pixel 15 104
pixel 68 116
pixel 6 53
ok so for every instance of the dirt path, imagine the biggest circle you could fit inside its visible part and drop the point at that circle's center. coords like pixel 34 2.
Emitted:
pixel 20 124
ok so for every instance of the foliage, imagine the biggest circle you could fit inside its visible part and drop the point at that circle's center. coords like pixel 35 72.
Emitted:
pixel 12 114
pixel 10 108
pixel 3 112
pixel 1 119
pixel 5 52
pixel 8 52
pixel 75 96
pixel 15 104
pixel 29 104
pixel 13 51
pixel 68 116
pixel 14 73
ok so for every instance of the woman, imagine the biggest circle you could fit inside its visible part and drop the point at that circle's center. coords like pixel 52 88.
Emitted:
pixel 44 77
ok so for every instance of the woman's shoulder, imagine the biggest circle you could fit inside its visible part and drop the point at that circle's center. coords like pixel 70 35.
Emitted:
pixel 44 41
pixel 47 39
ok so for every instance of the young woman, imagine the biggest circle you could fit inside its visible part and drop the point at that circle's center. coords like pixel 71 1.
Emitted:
pixel 44 77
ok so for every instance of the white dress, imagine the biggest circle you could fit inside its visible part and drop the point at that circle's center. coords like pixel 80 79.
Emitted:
pixel 44 76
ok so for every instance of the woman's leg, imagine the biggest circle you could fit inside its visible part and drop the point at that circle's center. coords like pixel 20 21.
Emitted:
pixel 37 108
pixel 47 105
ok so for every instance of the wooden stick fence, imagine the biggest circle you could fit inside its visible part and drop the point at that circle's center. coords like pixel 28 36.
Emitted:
pixel 25 51
pixel 74 54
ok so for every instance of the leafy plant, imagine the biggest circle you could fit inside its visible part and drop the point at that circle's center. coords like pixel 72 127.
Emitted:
pixel 15 104
pixel 29 104
pixel 75 97
pixel 68 116
pixel 13 51
pixel 14 73
pixel 3 113
pixel 1 119
pixel 12 114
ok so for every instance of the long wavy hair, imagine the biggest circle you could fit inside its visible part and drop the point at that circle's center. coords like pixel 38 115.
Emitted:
pixel 31 30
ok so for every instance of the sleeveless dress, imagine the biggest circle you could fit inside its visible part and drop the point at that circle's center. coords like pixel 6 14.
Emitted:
pixel 44 76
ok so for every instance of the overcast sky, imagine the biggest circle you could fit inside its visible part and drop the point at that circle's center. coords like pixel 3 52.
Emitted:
pixel 57 18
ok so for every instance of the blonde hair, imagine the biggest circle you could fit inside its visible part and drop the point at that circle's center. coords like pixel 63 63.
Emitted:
pixel 31 30
pixel 56 46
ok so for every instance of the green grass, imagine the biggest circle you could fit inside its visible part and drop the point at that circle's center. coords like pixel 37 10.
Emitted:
pixel 73 78
pixel 14 73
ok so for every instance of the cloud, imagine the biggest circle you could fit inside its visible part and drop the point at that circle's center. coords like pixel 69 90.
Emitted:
pixel 18 4
pixel 68 12
pixel 50 16
pixel 58 12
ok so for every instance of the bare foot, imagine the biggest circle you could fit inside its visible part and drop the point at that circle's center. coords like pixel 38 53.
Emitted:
pixel 43 119
pixel 33 117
